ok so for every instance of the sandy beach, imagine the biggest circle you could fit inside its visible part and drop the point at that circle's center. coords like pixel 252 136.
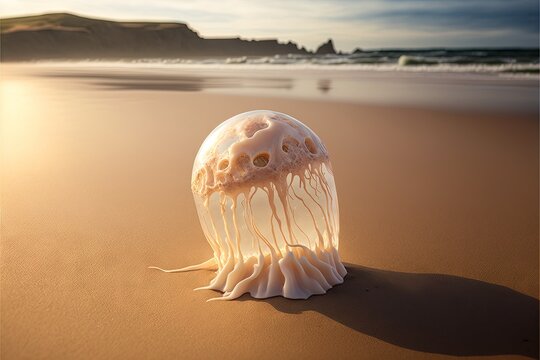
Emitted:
pixel 439 229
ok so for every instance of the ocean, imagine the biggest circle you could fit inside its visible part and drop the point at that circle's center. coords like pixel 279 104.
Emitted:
pixel 517 62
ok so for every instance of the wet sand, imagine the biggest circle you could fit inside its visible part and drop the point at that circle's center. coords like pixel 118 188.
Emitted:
pixel 464 91
pixel 439 230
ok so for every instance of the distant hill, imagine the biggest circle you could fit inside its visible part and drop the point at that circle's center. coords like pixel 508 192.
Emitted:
pixel 68 36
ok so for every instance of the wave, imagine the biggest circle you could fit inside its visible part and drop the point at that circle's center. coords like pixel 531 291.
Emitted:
pixel 396 57
pixel 237 60
pixel 406 60
pixel 506 62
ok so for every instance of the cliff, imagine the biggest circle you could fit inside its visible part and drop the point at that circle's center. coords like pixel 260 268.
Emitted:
pixel 68 36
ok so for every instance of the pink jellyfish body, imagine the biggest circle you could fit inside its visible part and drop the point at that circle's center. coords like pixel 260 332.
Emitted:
pixel 267 202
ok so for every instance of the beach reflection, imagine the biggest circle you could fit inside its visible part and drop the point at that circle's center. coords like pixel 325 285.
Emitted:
pixel 441 90
pixel 324 85
pixel 457 91
pixel 171 82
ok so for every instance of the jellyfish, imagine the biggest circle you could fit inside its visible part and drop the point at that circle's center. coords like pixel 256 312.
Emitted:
pixel 266 198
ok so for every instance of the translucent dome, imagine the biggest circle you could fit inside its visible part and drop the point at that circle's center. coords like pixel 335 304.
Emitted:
pixel 251 147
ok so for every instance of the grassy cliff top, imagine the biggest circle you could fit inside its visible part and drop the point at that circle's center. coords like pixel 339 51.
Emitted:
pixel 67 21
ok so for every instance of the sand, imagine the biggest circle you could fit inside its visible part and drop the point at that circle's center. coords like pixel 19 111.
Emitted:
pixel 439 231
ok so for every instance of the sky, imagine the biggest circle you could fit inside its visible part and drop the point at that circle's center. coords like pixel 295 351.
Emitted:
pixel 366 24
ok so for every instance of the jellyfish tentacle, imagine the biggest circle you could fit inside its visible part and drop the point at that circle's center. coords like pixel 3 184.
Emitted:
pixel 283 198
pixel 309 177
pixel 297 225
pixel 209 264
pixel 271 200
pixel 223 257
pixel 289 195
pixel 287 220
pixel 257 230
pixel 222 204
pixel 322 210
pixel 230 251
pixel 253 237
pixel 236 231
pixel 329 273
pixel 315 225
pixel 298 285
pixel 216 249
pixel 328 197
pixel 242 286
pixel 334 212
pixel 248 218
pixel 274 237
pixel 314 273
pixel 340 268
pixel 218 283
pixel 320 237
pixel 278 249
pixel 239 272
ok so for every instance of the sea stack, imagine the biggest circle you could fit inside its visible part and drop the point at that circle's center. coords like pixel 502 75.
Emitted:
pixel 326 48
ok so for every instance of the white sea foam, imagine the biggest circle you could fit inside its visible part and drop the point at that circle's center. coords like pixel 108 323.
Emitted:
pixel 513 70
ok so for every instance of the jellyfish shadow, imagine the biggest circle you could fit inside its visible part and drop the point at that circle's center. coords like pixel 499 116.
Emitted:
pixel 433 313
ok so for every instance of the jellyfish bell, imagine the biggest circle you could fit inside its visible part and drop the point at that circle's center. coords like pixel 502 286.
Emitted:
pixel 266 199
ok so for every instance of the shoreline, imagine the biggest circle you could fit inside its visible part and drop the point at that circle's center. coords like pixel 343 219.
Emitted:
pixel 445 91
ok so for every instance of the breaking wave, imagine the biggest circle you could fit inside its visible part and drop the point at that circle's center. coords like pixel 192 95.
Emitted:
pixel 504 62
